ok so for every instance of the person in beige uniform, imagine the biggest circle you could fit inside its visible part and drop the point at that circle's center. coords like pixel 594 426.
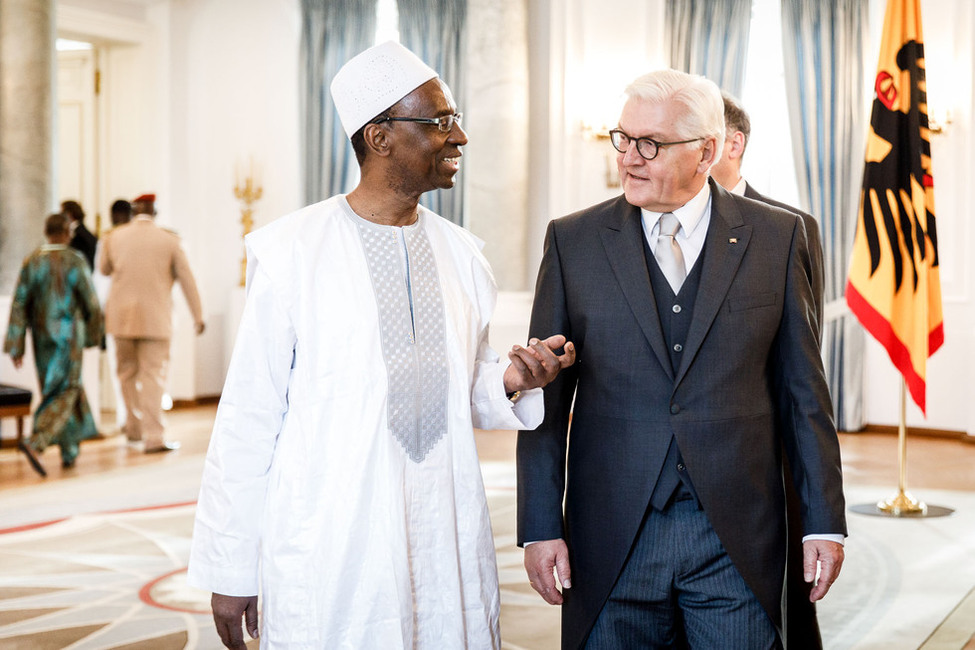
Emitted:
pixel 144 260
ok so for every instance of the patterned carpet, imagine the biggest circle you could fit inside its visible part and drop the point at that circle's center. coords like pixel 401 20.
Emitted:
pixel 114 577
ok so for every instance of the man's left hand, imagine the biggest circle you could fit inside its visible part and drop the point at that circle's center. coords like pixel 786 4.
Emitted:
pixel 537 365
pixel 829 556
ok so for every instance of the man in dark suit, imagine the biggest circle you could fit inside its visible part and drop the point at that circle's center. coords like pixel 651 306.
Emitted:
pixel 692 312
pixel 800 613
pixel 82 239
pixel 727 173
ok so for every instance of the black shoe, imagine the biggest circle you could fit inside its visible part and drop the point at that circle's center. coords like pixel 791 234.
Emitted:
pixel 166 446
pixel 36 464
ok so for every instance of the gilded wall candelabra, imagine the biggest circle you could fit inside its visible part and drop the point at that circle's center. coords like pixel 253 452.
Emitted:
pixel 248 194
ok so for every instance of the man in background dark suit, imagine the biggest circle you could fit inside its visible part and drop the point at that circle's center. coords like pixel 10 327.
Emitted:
pixel 82 239
pixel 800 613
pixel 693 316
pixel 727 173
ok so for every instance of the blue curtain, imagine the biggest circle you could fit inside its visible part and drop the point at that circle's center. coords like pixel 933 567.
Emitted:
pixel 332 32
pixel 824 43
pixel 435 31
pixel 710 38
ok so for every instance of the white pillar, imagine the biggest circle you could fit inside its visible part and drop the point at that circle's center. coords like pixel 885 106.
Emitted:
pixel 27 41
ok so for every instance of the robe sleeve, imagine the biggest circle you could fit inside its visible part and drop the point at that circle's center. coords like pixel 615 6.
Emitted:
pixel 490 406
pixel 19 307
pixel 225 551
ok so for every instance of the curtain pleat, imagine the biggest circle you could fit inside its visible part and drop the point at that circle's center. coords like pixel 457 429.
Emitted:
pixel 332 32
pixel 824 43
pixel 435 31
pixel 710 38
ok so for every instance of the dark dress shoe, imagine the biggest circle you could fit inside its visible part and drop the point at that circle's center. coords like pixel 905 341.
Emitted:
pixel 166 446
pixel 31 458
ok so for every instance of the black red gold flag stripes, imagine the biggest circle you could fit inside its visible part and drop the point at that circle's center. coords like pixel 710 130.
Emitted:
pixel 894 286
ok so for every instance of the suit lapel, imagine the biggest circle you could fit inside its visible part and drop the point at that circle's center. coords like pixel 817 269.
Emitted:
pixel 727 239
pixel 622 238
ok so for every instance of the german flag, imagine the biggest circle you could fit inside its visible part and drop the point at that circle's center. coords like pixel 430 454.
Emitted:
pixel 894 286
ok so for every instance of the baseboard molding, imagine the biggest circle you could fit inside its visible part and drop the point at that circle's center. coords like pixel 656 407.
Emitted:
pixel 942 434
pixel 205 400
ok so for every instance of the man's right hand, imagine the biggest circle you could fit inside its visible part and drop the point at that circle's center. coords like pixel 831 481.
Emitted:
pixel 541 558
pixel 227 612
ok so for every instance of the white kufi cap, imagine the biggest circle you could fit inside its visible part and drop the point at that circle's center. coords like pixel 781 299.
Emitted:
pixel 374 80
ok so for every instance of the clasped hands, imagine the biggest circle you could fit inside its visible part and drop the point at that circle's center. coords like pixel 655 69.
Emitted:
pixel 538 364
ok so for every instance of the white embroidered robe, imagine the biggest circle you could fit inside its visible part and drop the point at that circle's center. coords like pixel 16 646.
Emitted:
pixel 342 477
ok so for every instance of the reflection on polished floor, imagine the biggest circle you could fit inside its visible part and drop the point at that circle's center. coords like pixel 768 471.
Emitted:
pixel 106 568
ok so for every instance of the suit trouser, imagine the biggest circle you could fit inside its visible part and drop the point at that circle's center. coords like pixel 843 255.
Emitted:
pixel 678 589
pixel 142 368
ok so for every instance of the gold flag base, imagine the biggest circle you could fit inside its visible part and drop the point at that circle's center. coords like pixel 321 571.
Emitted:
pixel 879 509
pixel 902 504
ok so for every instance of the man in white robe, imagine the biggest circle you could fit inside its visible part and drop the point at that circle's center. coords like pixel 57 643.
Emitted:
pixel 342 479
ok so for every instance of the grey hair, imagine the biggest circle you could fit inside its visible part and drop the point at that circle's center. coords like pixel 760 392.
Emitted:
pixel 700 97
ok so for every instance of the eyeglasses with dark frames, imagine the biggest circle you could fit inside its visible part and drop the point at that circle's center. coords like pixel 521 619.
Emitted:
pixel 444 123
pixel 648 148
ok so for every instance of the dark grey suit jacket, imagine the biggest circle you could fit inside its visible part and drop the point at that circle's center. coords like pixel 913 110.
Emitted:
pixel 801 622
pixel 816 273
pixel 752 345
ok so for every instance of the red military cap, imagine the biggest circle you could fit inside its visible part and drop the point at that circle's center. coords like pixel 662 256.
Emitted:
pixel 145 198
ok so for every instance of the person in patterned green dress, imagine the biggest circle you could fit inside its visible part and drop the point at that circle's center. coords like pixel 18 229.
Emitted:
pixel 56 299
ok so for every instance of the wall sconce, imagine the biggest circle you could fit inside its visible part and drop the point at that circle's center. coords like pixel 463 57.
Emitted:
pixel 595 129
pixel 598 130
pixel 938 120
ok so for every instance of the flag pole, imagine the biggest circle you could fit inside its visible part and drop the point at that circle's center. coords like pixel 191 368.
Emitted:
pixel 902 503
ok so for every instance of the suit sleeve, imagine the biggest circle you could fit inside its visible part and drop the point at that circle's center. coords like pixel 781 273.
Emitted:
pixel 816 271
pixel 541 454
pixel 808 431
pixel 104 257
pixel 182 272
pixel 224 556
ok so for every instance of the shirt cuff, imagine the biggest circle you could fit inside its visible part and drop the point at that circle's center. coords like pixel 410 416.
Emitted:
pixel 827 537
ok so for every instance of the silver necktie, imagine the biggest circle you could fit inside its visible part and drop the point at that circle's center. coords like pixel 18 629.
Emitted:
pixel 668 253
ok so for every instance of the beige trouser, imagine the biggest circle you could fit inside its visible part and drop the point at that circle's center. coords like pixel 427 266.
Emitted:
pixel 142 368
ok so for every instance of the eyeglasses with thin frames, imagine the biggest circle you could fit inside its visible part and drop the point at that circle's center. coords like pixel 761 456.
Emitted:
pixel 444 123
pixel 648 148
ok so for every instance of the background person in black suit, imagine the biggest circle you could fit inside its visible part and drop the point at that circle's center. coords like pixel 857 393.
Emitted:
pixel 674 527
pixel 800 612
pixel 82 239
pixel 727 173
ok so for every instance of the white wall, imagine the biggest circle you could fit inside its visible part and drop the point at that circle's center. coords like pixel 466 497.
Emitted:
pixel 579 62
pixel 233 80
